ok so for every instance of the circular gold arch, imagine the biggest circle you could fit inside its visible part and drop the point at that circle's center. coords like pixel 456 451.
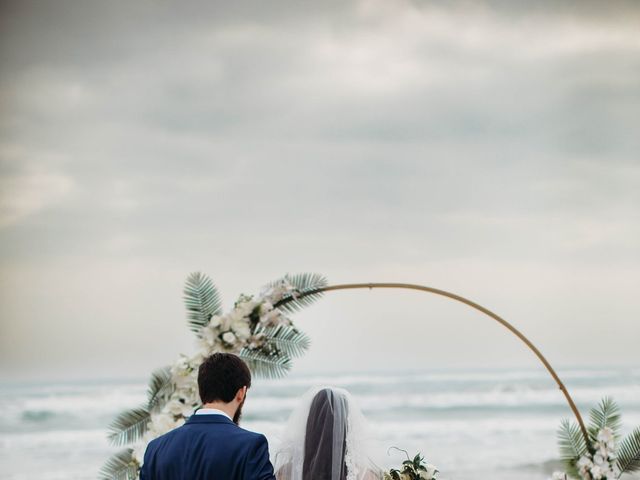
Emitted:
pixel 466 301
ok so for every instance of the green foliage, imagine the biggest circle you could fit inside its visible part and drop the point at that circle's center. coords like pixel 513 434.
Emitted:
pixel 160 387
pixel 411 468
pixel 202 300
pixel 271 360
pixel 303 283
pixel 572 445
pixel 629 452
pixel 121 466
pixel 129 426
pixel 286 339
pixel 606 414
pixel 266 365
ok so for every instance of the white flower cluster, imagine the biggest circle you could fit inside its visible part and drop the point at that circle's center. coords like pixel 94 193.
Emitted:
pixel 430 473
pixel 600 465
pixel 230 333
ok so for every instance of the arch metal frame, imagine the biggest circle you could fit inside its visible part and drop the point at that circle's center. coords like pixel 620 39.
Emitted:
pixel 472 304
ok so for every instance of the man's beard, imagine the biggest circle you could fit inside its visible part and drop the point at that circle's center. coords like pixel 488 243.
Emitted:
pixel 238 414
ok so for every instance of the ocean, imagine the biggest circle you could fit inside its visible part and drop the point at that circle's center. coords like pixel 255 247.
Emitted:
pixel 492 423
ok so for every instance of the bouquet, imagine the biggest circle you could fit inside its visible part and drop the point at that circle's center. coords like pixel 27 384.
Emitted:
pixel 605 456
pixel 413 469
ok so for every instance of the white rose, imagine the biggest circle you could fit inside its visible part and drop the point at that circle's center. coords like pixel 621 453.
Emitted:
pixel 271 318
pixel 183 382
pixel 265 307
pixel 229 337
pixel 225 321
pixel 161 423
pixel 277 292
pixel 241 329
pixel 604 452
pixel 215 321
pixel 585 461
pixel 236 314
pixel 249 307
pixel 605 434
pixel 559 476
pixel 606 437
pixel 177 408
pixel 598 459
pixel 430 472
pixel 181 365
pixel 208 336
pixel 185 379
pixel 597 473
pixel 244 307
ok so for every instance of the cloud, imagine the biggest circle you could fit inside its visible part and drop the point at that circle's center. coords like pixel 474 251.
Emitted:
pixel 26 190
pixel 468 143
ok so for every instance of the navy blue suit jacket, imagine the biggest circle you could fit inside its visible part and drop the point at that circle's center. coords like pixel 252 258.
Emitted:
pixel 208 447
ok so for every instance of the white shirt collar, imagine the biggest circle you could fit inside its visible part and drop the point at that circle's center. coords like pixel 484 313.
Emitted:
pixel 212 411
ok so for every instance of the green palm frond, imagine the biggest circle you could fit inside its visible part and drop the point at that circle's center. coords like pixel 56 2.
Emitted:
pixel 303 282
pixel 121 466
pixel 629 452
pixel 202 300
pixel 287 339
pixel 572 445
pixel 129 426
pixel 606 414
pixel 265 365
pixel 160 387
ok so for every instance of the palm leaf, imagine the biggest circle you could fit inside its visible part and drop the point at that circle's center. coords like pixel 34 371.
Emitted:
pixel 629 452
pixel 286 339
pixel 264 365
pixel 572 445
pixel 121 466
pixel 160 387
pixel 129 426
pixel 303 283
pixel 606 414
pixel 202 300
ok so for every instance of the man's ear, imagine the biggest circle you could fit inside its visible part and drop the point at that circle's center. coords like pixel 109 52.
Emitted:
pixel 241 394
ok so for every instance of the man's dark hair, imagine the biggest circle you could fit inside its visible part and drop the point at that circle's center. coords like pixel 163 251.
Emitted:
pixel 220 377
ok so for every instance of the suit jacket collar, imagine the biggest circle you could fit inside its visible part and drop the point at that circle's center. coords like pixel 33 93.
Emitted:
pixel 212 418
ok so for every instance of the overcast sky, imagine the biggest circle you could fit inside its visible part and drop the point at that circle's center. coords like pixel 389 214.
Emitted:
pixel 487 148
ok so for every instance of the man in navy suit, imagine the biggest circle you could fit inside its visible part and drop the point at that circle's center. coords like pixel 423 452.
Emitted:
pixel 211 445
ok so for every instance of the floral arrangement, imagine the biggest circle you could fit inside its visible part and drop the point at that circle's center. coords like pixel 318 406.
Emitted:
pixel 603 456
pixel 258 329
pixel 412 469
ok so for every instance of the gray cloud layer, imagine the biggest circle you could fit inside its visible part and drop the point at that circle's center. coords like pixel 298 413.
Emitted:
pixel 490 148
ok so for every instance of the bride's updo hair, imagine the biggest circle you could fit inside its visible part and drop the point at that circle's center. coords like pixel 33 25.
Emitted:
pixel 327 418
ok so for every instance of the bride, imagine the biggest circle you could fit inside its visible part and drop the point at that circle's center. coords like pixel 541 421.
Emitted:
pixel 325 440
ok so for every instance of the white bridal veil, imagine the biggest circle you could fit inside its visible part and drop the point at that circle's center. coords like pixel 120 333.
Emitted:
pixel 325 439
